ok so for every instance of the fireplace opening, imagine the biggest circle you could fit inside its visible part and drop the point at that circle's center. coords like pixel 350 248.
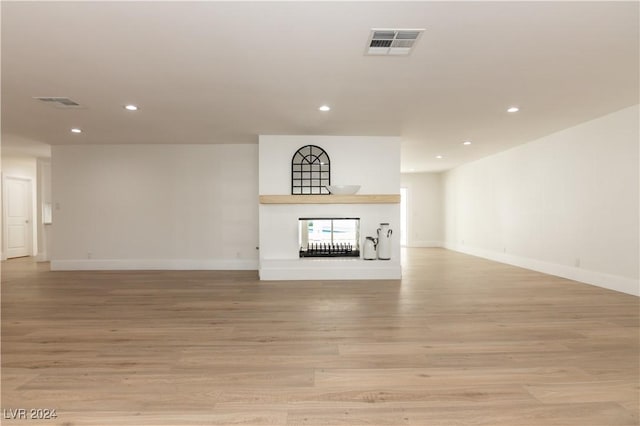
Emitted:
pixel 329 237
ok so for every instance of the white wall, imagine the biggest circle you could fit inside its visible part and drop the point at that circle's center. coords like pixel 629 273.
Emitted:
pixel 566 204
pixel 155 207
pixel 425 209
pixel 23 167
pixel 372 162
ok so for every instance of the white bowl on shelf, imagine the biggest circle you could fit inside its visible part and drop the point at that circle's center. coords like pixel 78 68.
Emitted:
pixel 343 189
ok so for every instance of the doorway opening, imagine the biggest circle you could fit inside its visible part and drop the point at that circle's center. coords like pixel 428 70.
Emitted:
pixel 403 216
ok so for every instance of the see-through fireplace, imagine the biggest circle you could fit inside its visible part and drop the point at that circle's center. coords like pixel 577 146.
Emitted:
pixel 329 237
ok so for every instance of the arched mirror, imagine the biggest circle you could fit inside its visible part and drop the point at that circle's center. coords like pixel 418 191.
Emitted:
pixel 310 171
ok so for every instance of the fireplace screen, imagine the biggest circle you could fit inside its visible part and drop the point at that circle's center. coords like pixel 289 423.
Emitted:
pixel 329 237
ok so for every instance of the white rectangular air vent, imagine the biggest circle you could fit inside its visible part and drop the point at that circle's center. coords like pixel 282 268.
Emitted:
pixel 58 102
pixel 384 41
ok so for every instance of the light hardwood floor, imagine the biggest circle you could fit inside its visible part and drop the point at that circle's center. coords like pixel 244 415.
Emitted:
pixel 459 341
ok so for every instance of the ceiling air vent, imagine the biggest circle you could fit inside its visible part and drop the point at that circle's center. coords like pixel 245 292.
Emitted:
pixel 58 102
pixel 397 42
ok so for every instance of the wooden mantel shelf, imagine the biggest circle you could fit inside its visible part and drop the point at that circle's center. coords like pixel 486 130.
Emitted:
pixel 331 199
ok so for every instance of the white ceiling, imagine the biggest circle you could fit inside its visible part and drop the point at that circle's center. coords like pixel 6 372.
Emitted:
pixel 225 72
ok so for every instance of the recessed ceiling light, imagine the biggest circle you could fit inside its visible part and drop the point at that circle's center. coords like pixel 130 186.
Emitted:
pixel 466 143
pixel 131 107
pixel 439 157
pixel 513 109
pixel 76 130
pixel 325 108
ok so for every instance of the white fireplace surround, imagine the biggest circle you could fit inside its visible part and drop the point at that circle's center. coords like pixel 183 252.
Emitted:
pixel 378 172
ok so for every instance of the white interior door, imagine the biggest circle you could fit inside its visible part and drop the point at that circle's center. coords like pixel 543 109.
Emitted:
pixel 17 218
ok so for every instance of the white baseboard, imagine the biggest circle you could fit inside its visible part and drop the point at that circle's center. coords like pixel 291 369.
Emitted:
pixel 330 269
pixel 42 257
pixel 608 281
pixel 425 244
pixel 152 264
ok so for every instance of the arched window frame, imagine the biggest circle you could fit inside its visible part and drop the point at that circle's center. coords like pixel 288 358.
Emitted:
pixel 310 171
